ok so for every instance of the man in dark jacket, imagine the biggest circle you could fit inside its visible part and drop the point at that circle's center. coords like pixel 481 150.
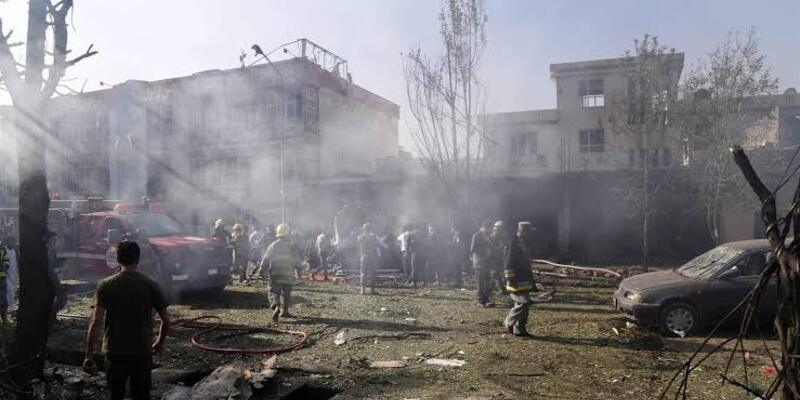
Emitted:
pixel 517 257
pixel 481 249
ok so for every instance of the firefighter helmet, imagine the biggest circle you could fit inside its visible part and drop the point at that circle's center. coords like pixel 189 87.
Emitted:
pixel 282 230
pixel 219 223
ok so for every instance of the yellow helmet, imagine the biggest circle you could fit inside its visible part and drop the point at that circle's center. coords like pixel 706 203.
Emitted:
pixel 499 224
pixel 238 227
pixel 218 223
pixel 282 230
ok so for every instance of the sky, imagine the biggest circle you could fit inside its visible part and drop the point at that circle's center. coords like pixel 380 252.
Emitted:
pixel 156 39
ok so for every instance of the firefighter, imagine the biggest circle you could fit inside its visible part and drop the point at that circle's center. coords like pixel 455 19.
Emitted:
pixel 370 254
pixel 220 232
pixel 281 260
pixel 517 258
pixel 481 249
pixel 240 241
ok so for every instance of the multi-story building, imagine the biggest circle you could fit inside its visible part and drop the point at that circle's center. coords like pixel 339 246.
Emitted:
pixel 574 169
pixel 218 142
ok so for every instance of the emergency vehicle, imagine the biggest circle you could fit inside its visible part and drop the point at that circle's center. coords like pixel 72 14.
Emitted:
pixel 87 232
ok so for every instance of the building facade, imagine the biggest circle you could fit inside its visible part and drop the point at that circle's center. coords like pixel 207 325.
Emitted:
pixel 219 143
pixel 579 164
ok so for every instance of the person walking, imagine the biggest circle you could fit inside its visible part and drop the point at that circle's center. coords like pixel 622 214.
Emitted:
pixel 517 258
pixel 369 254
pixel 324 252
pixel 481 249
pixel 124 304
pixel 281 260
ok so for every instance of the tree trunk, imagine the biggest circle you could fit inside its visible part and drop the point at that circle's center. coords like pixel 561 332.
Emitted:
pixel 36 291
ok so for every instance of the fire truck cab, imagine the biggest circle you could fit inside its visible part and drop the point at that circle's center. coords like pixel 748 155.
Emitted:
pixel 87 235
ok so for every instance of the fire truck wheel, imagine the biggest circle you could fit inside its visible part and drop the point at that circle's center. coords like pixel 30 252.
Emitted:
pixel 70 269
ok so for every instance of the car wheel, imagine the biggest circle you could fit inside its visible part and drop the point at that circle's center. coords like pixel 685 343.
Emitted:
pixel 679 319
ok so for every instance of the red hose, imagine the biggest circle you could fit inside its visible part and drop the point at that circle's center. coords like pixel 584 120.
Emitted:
pixel 207 328
pixel 218 325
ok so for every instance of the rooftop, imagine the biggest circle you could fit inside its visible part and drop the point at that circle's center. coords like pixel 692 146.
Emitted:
pixel 603 65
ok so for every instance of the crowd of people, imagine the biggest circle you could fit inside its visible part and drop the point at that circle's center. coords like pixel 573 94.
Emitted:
pixel 419 254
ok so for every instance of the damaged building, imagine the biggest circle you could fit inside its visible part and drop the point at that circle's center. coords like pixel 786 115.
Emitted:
pixel 247 143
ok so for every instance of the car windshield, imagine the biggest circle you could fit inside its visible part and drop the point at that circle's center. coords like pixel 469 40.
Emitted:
pixel 155 224
pixel 709 263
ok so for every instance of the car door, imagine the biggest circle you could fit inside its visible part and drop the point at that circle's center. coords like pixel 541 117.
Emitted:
pixel 733 284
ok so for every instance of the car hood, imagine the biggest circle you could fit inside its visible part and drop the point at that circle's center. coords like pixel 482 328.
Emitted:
pixel 182 241
pixel 652 280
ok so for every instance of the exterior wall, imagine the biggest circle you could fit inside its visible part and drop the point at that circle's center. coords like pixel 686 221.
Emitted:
pixel 210 142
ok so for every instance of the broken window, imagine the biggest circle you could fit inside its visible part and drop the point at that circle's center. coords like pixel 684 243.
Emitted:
pixel 591 94
pixel 592 141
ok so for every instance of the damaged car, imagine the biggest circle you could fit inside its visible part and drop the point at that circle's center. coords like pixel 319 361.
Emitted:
pixel 697 295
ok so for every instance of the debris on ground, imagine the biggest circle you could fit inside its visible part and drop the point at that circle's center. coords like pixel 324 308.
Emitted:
pixel 388 364
pixel 226 382
pixel 339 339
pixel 445 362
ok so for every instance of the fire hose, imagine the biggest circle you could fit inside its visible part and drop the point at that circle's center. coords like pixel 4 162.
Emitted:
pixel 217 325
pixel 207 328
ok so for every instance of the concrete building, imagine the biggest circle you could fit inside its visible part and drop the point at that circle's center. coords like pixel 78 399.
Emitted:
pixel 568 168
pixel 211 142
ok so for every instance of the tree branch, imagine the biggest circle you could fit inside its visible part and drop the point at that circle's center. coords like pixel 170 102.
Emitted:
pixel 8 66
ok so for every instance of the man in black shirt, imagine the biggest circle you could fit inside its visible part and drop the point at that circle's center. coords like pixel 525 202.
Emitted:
pixel 126 301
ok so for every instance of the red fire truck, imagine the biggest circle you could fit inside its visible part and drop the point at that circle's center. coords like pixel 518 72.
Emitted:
pixel 87 232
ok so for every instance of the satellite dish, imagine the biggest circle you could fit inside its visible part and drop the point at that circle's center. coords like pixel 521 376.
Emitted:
pixel 790 90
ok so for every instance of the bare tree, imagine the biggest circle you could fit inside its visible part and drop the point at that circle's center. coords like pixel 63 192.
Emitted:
pixel 642 115
pixel 31 84
pixel 719 107
pixel 785 268
pixel 445 101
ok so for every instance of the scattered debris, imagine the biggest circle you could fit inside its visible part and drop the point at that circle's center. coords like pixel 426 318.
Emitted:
pixel 339 339
pixel 615 330
pixel 227 381
pixel 411 319
pixel 388 364
pixel 443 362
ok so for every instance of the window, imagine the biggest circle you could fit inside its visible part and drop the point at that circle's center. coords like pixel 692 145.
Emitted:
pixel 524 146
pixel 592 141
pixel 591 93
pixel 294 107
pixel 311 109
pixel 754 264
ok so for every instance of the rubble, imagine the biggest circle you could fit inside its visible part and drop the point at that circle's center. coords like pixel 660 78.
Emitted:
pixel 233 380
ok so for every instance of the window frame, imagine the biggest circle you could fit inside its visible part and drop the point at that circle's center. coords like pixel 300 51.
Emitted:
pixel 588 143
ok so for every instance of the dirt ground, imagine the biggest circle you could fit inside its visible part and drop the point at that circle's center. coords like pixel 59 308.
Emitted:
pixel 574 353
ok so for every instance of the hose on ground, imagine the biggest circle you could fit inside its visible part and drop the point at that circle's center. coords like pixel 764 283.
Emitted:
pixel 206 328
